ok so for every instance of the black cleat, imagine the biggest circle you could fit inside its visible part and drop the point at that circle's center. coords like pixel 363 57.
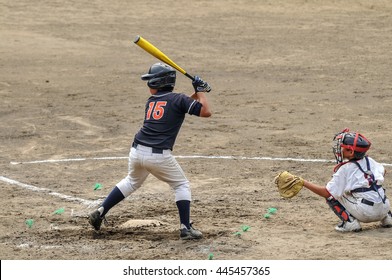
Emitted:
pixel 191 233
pixel 95 219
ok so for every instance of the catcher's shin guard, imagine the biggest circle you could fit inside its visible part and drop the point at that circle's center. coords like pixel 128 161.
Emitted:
pixel 339 209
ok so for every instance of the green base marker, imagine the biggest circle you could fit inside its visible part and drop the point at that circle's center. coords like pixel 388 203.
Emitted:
pixel 267 216
pixel 29 222
pixel 245 228
pixel 272 210
pixel 97 186
pixel 210 256
pixel 59 211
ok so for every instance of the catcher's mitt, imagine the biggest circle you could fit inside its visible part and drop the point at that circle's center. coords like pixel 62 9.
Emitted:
pixel 288 184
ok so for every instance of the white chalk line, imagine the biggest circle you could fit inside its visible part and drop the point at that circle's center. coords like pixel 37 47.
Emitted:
pixel 65 160
pixel 181 157
pixel 87 202
pixel 185 157
pixel 92 203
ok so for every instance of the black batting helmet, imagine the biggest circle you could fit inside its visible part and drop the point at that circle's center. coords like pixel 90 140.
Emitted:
pixel 160 76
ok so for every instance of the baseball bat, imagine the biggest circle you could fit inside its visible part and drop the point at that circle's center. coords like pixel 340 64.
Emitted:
pixel 154 51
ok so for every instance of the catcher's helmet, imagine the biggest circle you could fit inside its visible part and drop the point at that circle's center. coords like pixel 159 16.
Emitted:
pixel 160 76
pixel 350 140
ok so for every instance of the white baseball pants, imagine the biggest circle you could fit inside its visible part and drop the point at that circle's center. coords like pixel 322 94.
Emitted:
pixel 142 162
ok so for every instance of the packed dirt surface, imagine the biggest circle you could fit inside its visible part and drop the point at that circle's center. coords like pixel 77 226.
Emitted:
pixel 286 76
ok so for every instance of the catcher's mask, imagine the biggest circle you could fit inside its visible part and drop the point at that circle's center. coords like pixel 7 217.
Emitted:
pixel 160 76
pixel 350 140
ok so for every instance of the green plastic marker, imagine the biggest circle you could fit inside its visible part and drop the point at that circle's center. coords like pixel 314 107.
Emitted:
pixel 210 256
pixel 97 186
pixel 29 222
pixel 267 216
pixel 59 211
pixel 245 228
pixel 272 210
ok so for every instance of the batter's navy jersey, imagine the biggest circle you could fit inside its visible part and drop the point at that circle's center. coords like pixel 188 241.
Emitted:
pixel 164 115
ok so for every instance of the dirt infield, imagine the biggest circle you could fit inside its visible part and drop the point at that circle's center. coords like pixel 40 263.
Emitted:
pixel 286 76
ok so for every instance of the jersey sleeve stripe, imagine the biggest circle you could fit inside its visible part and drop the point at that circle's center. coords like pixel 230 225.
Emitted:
pixel 191 106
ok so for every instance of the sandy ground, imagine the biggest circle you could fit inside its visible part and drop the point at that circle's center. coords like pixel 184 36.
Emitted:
pixel 286 76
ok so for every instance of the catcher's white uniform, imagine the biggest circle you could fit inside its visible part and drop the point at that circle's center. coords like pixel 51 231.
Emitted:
pixel 366 206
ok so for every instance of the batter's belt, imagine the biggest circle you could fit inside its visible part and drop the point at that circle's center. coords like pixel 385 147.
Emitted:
pixel 153 150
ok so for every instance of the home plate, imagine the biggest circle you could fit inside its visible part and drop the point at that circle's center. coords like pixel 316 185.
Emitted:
pixel 141 223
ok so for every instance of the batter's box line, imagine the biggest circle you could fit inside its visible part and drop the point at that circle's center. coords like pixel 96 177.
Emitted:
pixel 66 160
pixel 184 157
pixel 89 203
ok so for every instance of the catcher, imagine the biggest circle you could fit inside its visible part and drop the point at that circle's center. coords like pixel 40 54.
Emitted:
pixel 355 192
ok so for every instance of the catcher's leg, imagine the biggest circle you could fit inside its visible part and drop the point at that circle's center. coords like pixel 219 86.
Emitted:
pixel 339 209
pixel 349 222
pixel 387 221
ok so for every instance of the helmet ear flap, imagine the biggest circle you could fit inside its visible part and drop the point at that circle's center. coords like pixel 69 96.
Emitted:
pixel 160 76
pixel 154 83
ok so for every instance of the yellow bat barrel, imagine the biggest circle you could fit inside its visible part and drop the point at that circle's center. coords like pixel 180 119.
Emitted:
pixel 154 51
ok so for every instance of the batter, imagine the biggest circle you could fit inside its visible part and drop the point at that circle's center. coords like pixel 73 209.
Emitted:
pixel 151 151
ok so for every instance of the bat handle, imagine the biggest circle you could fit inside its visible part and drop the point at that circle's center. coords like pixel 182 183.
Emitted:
pixel 189 76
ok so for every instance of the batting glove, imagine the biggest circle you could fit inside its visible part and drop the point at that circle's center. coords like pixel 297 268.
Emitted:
pixel 200 86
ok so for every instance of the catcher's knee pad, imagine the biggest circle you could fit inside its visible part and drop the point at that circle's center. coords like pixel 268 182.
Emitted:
pixel 338 209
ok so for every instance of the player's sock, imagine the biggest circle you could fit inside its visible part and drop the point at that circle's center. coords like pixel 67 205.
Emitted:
pixel 114 197
pixel 184 209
